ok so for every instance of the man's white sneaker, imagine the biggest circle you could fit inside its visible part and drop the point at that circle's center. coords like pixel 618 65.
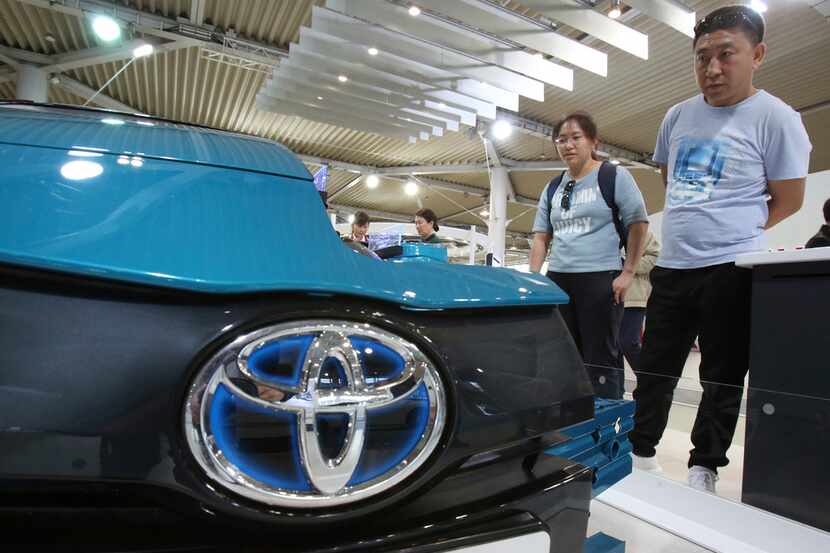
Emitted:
pixel 702 478
pixel 647 464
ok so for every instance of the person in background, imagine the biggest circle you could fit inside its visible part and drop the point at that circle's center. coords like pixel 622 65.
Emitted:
pixel 734 161
pixel 426 223
pixel 635 303
pixel 360 228
pixel 822 237
pixel 585 216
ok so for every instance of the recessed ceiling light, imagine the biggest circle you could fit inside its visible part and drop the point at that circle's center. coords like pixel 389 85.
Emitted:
pixel 143 51
pixel 484 213
pixel 373 51
pixel 501 129
pixel 411 188
pixel 319 97
pixel 758 6
pixel 414 11
pixel 48 37
pixel 372 181
pixel 342 78
pixel 106 28
pixel 615 161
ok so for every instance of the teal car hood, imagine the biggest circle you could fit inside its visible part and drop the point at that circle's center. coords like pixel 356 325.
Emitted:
pixel 82 205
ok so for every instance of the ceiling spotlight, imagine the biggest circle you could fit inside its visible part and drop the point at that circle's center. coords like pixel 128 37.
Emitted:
pixel 143 51
pixel 615 161
pixel 320 98
pixel 501 129
pixel 758 6
pixel 373 51
pixel 414 11
pixel 106 28
pixel 351 217
pixel 616 10
pixel 411 188
pixel 484 213
pixel 372 181
pixel 50 38
pixel 342 78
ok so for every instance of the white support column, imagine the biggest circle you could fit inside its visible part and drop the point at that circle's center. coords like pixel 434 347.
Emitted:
pixel 31 83
pixel 333 218
pixel 472 259
pixel 499 186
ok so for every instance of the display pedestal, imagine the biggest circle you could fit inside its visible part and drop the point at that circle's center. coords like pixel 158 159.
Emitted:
pixel 788 409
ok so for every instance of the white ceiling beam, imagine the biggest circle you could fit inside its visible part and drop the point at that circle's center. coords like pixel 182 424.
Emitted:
pixel 336 94
pixel 506 23
pixel 410 50
pixel 334 164
pixel 323 115
pixel 85 92
pixel 95 56
pixel 671 13
pixel 300 94
pixel 366 79
pixel 432 169
pixel 297 96
pixel 351 184
pixel 380 72
pixel 429 76
pixel 459 38
pixel 407 104
pixel 16 55
pixel 594 23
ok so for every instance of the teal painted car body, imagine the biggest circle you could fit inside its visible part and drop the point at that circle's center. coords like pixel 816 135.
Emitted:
pixel 147 201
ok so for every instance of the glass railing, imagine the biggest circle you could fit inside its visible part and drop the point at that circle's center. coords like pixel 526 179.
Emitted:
pixel 769 450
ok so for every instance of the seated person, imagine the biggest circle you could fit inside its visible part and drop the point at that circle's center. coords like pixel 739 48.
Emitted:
pixel 360 228
pixel 426 223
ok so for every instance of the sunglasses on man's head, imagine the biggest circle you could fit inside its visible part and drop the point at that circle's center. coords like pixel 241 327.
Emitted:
pixel 566 195
pixel 726 20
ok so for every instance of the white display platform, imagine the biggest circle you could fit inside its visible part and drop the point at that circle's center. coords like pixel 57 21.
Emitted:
pixel 712 522
pixel 753 259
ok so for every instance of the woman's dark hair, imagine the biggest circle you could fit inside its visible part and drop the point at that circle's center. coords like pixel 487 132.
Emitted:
pixel 732 17
pixel 827 211
pixel 361 218
pixel 429 216
pixel 585 122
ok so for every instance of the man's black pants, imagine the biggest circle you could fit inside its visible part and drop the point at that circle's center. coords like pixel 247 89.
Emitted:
pixel 631 333
pixel 712 303
pixel 593 320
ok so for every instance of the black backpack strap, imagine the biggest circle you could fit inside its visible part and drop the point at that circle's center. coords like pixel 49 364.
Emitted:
pixel 552 186
pixel 607 187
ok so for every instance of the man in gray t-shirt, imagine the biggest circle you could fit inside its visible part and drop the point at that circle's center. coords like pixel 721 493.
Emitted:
pixel 734 160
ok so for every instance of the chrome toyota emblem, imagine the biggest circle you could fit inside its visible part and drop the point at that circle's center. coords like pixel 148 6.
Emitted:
pixel 314 413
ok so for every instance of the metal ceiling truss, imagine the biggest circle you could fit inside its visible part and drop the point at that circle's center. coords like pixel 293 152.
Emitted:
pixel 205 36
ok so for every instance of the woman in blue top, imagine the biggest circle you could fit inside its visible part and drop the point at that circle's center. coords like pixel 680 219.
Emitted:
pixel 585 261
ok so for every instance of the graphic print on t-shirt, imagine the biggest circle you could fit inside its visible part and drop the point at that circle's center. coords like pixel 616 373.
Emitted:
pixel 697 170
pixel 569 223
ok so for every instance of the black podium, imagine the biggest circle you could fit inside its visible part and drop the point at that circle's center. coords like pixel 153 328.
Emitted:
pixel 787 450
